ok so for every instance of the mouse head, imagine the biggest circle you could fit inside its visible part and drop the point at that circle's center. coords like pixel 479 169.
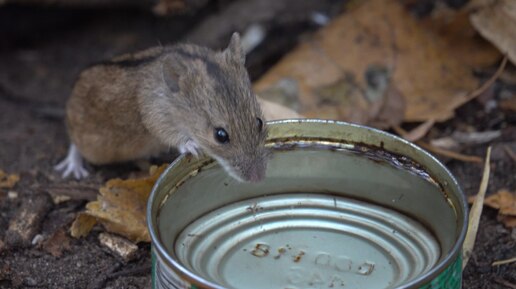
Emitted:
pixel 228 124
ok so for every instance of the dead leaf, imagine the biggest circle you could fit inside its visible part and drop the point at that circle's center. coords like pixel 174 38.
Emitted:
pixel 121 207
pixel 509 104
pixel 165 7
pixel 497 23
pixel 274 111
pixel 505 202
pixel 57 243
pixel 460 37
pixel 82 225
pixel 476 212
pixel 8 181
pixel 375 34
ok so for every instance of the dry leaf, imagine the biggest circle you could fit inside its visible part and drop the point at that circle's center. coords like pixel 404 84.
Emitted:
pixel 274 111
pixel 460 37
pixel 82 225
pixel 375 34
pixel 57 243
pixel 497 23
pixel 121 207
pixel 509 104
pixel 505 202
pixel 8 181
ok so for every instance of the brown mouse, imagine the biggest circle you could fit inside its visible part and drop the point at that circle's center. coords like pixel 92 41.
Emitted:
pixel 185 96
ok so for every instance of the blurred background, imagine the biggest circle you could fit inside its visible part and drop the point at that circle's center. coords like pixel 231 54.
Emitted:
pixel 439 73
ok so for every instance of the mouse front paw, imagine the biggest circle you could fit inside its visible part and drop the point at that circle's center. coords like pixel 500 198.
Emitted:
pixel 72 164
pixel 190 147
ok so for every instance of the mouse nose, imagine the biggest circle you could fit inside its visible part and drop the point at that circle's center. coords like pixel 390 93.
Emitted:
pixel 256 172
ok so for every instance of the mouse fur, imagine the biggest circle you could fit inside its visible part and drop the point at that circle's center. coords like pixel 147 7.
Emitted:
pixel 138 105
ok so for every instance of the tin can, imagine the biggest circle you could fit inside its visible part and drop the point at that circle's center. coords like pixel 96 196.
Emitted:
pixel 342 206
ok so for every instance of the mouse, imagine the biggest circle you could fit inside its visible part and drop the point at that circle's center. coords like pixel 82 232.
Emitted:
pixel 184 96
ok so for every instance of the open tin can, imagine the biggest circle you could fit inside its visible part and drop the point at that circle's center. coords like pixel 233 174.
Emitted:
pixel 342 206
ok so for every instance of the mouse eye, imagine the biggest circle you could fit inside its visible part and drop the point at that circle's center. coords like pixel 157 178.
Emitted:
pixel 221 135
pixel 259 122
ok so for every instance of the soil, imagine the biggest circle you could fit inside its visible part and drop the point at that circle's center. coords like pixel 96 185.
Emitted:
pixel 42 50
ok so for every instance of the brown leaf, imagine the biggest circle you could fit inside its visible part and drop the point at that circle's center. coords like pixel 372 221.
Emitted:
pixel 460 37
pixel 121 206
pixel 508 221
pixel 274 111
pixel 432 81
pixel 57 243
pixel 497 23
pixel 8 181
pixel 509 104
pixel 505 202
pixel 82 225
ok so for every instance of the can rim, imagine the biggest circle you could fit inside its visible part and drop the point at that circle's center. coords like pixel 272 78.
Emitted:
pixel 159 248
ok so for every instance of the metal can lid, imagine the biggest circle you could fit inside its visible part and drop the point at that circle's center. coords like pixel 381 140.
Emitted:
pixel 297 241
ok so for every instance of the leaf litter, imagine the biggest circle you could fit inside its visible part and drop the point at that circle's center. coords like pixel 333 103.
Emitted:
pixel 338 72
pixel 120 208
pixel 8 181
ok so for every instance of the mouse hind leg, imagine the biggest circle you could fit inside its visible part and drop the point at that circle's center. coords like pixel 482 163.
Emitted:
pixel 72 164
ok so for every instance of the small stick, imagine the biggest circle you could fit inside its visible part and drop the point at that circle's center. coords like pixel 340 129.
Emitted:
pixel 505 283
pixel 503 262
pixel 473 94
pixel 476 211
pixel 450 154
pixel 509 151
pixel 418 133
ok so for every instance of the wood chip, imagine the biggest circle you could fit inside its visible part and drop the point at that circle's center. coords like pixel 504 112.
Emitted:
pixel 476 212
pixel 26 222
pixel 121 247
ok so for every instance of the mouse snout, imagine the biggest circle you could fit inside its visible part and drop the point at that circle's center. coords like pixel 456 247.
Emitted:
pixel 254 170
pixel 257 173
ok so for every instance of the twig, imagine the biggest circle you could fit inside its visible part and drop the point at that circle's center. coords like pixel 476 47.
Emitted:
pixel 418 133
pixel 509 151
pixel 505 283
pixel 458 156
pixel 503 262
pixel 476 211
pixel 450 154
pixel 473 94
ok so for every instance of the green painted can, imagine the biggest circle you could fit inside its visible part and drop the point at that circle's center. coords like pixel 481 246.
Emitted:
pixel 342 206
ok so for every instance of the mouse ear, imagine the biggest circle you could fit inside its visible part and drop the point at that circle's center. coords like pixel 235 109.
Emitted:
pixel 235 49
pixel 170 75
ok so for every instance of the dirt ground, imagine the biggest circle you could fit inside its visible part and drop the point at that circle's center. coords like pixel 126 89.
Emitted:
pixel 42 50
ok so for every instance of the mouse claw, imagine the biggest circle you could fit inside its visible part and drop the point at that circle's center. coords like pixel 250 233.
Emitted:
pixel 190 147
pixel 72 164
